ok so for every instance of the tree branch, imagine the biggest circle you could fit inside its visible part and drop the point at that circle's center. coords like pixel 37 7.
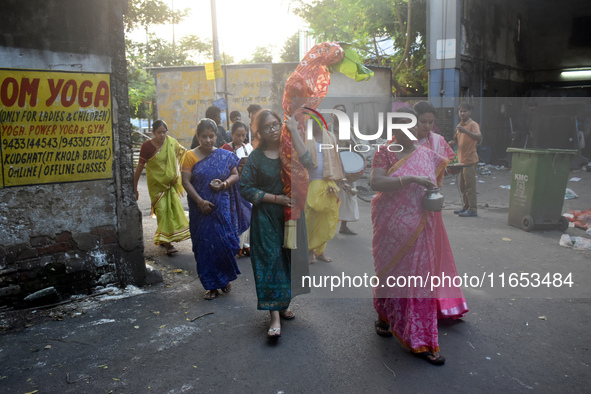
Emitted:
pixel 407 46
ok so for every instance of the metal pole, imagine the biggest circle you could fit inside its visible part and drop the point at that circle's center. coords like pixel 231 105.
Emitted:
pixel 216 48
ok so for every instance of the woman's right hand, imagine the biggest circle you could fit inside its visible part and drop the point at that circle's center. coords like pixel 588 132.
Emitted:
pixel 424 181
pixel 292 125
pixel 206 207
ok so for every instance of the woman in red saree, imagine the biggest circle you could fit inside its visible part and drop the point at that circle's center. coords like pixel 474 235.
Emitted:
pixel 410 241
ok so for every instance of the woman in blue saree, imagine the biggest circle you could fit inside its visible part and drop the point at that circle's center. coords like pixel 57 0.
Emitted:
pixel 217 212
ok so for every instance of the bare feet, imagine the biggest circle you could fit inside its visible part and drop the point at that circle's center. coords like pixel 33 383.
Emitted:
pixel 324 258
pixel 311 257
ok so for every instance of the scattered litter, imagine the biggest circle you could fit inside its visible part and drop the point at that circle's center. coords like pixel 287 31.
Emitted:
pixel 506 239
pixel 574 179
pixel 48 347
pixel 488 358
pixel 205 314
pixel 485 172
pixel 452 183
pixel 508 187
pixel 471 345
pixel 389 368
pixel 542 317
pixel 580 219
pixel 570 194
pixel 579 243
pixel 479 181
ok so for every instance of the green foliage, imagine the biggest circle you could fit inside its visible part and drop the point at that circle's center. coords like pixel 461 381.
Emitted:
pixel 156 52
pixel 145 13
pixel 260 55
pixel 291 49
pixel 142 90
pixel 364 24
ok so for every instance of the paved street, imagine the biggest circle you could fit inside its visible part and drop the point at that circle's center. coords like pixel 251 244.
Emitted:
pixel 512 340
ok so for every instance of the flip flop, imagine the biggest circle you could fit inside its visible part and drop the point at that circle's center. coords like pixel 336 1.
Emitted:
pixel 210 294
pixel 322 257
pixel 382 328
pixel 347 231
pixel 427 357
pixel 274 332
pixel 287 314
pixel 171 250
pixel 227 288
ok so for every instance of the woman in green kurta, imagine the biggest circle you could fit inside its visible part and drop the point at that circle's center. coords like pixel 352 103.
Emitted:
pixel 161 156
pixel 277 270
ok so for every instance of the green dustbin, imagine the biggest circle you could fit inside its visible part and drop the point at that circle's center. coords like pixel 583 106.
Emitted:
pixel 538 184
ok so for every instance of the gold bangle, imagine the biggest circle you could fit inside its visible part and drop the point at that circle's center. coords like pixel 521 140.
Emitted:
pixel 401 184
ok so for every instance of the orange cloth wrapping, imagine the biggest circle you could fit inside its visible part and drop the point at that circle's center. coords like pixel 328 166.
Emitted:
pixel 305 87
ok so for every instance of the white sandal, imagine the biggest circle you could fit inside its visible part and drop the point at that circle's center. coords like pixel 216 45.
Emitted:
pixel 274 332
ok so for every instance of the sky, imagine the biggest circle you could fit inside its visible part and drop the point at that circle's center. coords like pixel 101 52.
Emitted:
pixel 242 25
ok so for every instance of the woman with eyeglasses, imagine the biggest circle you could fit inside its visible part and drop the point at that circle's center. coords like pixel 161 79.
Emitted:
pixel 160 156
pixel 277 270
pixel 217 212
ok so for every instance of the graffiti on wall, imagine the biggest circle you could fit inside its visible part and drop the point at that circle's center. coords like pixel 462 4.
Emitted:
pixel 55 127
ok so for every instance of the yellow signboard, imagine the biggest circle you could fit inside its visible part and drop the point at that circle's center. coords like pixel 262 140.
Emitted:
pixel 213 70
pixel 55 127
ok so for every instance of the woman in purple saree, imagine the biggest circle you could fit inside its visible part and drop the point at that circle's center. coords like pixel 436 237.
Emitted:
pixel 218 214
pixel 410 241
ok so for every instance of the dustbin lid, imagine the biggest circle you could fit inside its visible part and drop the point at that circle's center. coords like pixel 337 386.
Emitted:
pixel 543 151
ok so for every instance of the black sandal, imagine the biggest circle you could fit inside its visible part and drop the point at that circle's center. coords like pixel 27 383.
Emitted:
pixel 210 294
pixel 427 357
pixel 383 328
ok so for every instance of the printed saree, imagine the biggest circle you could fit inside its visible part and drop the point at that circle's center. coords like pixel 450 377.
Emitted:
pixel 410 241
pixel 215 237
pixel 277 270
pixel 164 185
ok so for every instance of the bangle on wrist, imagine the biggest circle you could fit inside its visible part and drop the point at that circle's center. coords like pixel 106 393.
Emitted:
pixel 401 183
pixel 202 204
pixel 275 198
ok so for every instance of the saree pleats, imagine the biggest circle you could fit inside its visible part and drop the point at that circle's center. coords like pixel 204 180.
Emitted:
pixel 164 185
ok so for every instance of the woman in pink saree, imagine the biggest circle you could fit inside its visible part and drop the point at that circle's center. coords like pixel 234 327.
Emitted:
pixel 411 242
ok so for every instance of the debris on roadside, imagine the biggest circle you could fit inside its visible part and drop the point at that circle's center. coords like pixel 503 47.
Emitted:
pixel 578 243
pixel 569 194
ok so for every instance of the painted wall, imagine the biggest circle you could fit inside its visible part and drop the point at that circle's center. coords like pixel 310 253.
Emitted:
pixel 68 215
pixel 183 93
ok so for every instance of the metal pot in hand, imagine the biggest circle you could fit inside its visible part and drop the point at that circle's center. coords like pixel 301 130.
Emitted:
pixel 433 200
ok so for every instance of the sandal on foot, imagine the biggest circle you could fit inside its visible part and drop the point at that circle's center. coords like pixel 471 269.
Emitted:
pixel 287 314
pixel 210 294
pixel 383 328
pixel 347 231
pixel 274 332
pixel 227 288
pixel 170 250
pixel 430 358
